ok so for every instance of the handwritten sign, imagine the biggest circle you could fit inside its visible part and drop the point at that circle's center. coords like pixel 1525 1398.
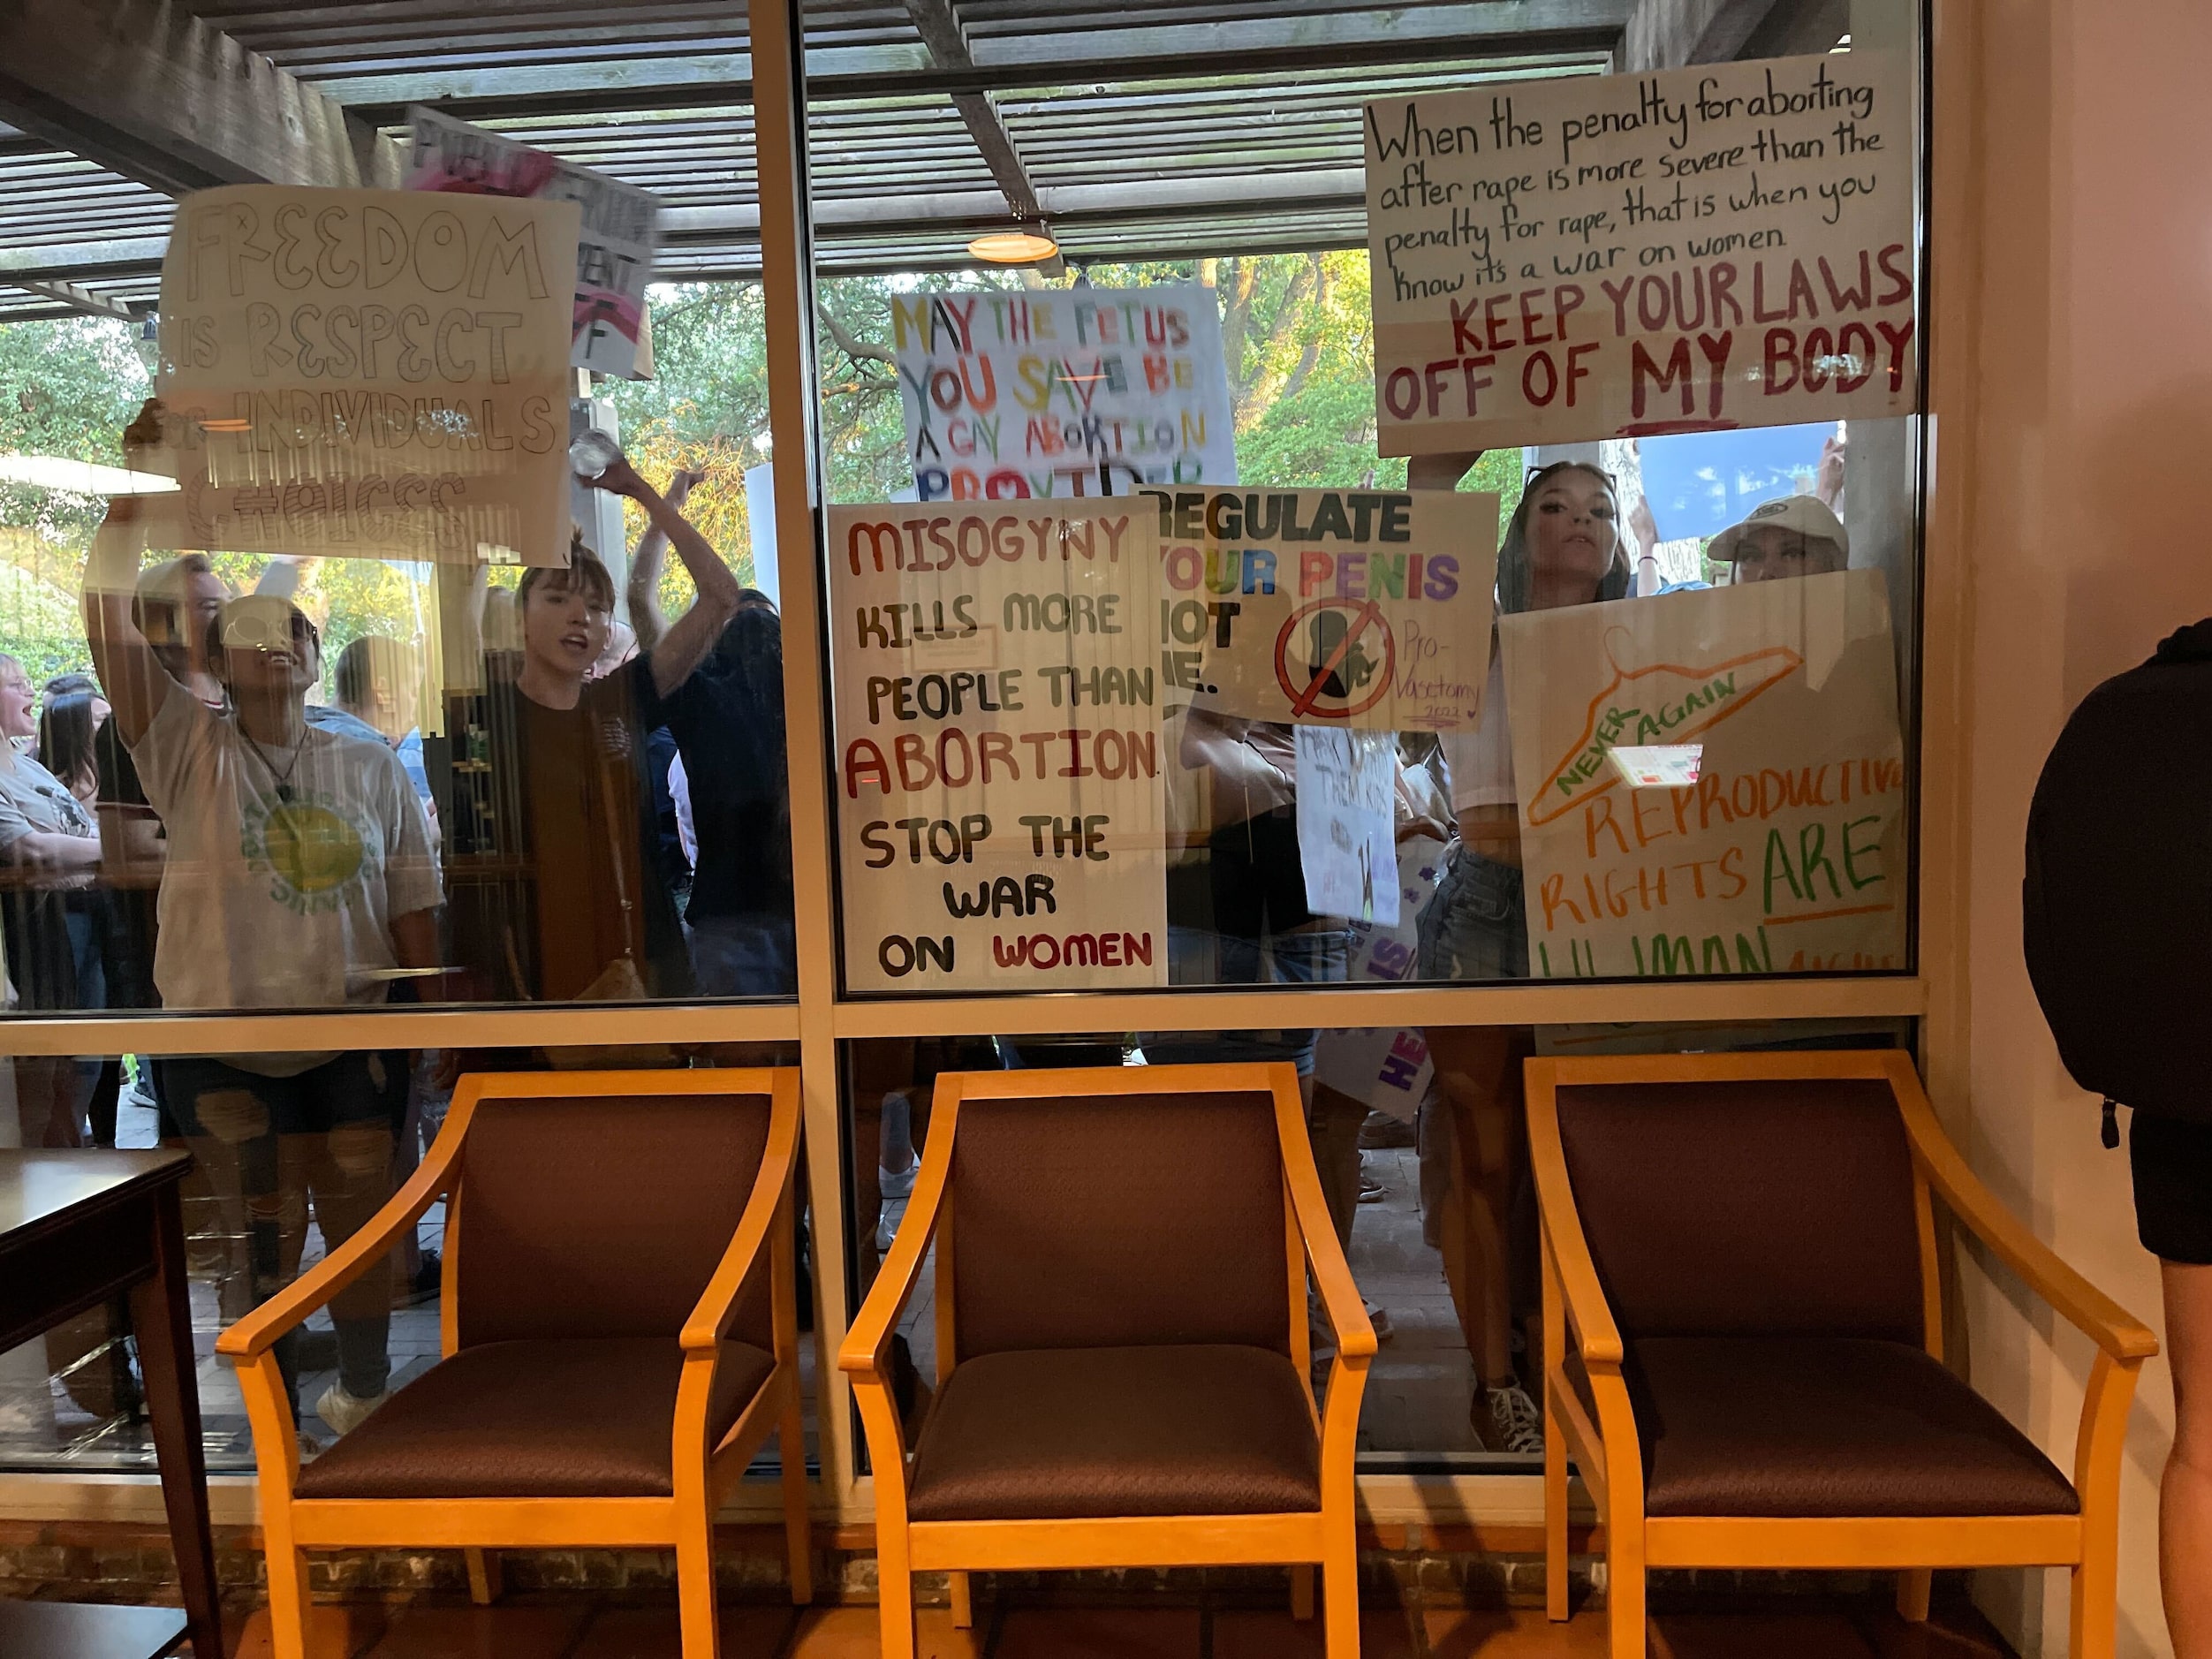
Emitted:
pixel 366 373
pixel 1788 853
pixel 1002 819
pixel 1390 1069
pixel 1346 846
pixel 1728 245
pixel 1087 391
pixel 614 249
pixel 1368 610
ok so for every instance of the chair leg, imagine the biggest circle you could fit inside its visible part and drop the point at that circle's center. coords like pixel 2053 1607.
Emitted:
pixel 1340 1601
pixel 485 1578
pixel 895 1593
pixel 797 1523
pixel 962 1603
pixel 1555 1513
pixel 287 1601
pixel 695 1585
pixel 1914 1586
pixel 2094 1615
pixel 1301 1593
pixel 1624 1605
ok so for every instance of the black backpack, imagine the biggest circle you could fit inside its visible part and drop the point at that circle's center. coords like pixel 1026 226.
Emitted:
pixel 2118 899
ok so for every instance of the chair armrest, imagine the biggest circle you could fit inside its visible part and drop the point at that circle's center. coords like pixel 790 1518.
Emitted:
pixel 1596 1333
pixel 258 1332
pixel 2090 1310
pixel 710 1317
pixel 1340 1298
pixel 861 1352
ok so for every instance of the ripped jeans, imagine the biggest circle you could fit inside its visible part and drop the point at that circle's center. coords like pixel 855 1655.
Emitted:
pixel 274 1147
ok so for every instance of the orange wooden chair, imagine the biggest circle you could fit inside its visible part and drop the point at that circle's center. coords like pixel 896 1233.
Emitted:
pixel 619 1333
pixel 1743 1336
pixel 1123 1354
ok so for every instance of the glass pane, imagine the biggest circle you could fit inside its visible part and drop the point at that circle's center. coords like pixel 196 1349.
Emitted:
pixel 270 781
pixel 1298 706
pixel 292 1155
pixel 1421 1141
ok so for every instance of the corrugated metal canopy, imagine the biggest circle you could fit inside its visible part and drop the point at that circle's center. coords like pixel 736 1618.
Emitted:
pixel 1151 128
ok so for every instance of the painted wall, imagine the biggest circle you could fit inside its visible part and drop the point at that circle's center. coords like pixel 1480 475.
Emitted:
pixel 2093 539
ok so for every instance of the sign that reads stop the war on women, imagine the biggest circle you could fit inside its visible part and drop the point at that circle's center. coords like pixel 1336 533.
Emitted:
pixel 1728 245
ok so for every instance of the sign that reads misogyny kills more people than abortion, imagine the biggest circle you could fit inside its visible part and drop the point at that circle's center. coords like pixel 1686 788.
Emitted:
pixel 1080 391
pixel 366 373
pixel 1001 810
pixel 1728 245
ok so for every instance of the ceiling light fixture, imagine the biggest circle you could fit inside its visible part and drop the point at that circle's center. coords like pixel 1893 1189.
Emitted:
pixel 1024 245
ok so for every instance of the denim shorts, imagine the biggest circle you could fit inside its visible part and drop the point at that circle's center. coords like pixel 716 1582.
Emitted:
pixel 1475 925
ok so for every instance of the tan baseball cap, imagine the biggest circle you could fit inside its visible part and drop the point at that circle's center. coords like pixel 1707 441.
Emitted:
pixel 1803 515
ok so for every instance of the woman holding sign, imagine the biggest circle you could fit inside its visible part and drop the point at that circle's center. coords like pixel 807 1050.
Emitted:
pixel 1563 547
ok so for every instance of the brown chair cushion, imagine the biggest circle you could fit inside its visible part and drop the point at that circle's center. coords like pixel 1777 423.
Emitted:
pixel 1748 1208
pixel 1062 1433
pixel 606 1217
pixel 1815 1426
pixel 587 1418
pixel 1111 1221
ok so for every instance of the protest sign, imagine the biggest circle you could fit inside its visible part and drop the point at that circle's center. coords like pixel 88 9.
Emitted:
pixel 1390 1069
pixel 1787 855
pixel 1346 795
pixel 1363 609
pixel 1728 245
pixel 1079 391
pixel 1002 815
pixel 366 373
pixel 614 248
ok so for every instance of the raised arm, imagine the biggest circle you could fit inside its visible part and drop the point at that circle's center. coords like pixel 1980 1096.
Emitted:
pixel 130 675
pixel 646 619
pixel 692 635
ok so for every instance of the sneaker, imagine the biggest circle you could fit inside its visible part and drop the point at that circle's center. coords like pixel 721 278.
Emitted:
pixel 1506 1420
pixel 345 1413
pixel 1372 1191
pixel 896 1189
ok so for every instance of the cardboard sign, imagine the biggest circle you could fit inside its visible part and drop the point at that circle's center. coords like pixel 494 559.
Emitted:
pixel 1728 245
pixel 614 249
pixel 1388 1069
pixel 1002 819
pixel 1363 608
pixel 366 373
pixel 1080 391
pixel 1788 855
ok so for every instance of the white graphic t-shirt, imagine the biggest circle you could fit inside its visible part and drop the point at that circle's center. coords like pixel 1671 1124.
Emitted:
pixel 285 867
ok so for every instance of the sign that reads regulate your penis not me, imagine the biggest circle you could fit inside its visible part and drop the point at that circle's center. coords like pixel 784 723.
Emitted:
pixel 1730 245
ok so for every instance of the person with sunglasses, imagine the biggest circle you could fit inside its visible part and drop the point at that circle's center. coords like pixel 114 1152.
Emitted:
pixel 1563 547
pixel 300 873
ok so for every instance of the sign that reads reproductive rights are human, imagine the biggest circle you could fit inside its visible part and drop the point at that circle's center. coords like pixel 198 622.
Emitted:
pixel 1081 391
pixel 1730 245
pixel 366 373
pixel 1001 811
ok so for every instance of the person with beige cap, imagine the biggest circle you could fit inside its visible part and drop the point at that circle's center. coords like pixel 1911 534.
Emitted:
pixel 1791 536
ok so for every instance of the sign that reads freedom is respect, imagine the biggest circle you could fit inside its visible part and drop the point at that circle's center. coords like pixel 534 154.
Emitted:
pixel 1001 810
pixel 1085 391
pixel 368 374
pixel 1728 245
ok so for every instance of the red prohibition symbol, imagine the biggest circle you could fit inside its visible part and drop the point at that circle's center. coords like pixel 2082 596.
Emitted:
pixel 1335 653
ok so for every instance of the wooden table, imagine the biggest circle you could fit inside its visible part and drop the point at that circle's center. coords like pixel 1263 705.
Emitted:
pixel 76 1230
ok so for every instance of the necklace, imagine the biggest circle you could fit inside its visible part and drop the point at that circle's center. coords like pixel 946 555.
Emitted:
pixel 282 780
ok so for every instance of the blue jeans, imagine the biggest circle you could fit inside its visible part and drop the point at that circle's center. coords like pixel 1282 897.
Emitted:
pixel 1475 925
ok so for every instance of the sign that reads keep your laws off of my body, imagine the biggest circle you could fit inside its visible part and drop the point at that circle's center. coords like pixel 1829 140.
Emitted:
pixel 368 374
pixel 1002 811
pixel 1728 245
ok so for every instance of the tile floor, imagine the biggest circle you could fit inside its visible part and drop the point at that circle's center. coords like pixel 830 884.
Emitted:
pixel 575 1629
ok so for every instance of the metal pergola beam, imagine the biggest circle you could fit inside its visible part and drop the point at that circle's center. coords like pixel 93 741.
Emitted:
pixel 80 300
pixel 145 89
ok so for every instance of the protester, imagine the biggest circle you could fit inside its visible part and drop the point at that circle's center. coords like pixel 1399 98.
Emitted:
pixel 299 874
pixel 1791 536
pixel 559 891
pixel 375 687
pixel 70 716
pixel 1564 546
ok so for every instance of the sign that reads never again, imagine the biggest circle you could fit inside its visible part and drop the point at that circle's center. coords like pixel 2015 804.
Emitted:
pixel 1084 391
pixel 1728 245
pixel 1001 809
pixel 1366 609
pixel 368 374
pixel 1787 855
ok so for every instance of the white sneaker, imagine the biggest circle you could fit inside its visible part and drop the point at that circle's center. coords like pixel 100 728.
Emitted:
pixel 1506 1420
pixel 345 1413
pixel 897 1190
